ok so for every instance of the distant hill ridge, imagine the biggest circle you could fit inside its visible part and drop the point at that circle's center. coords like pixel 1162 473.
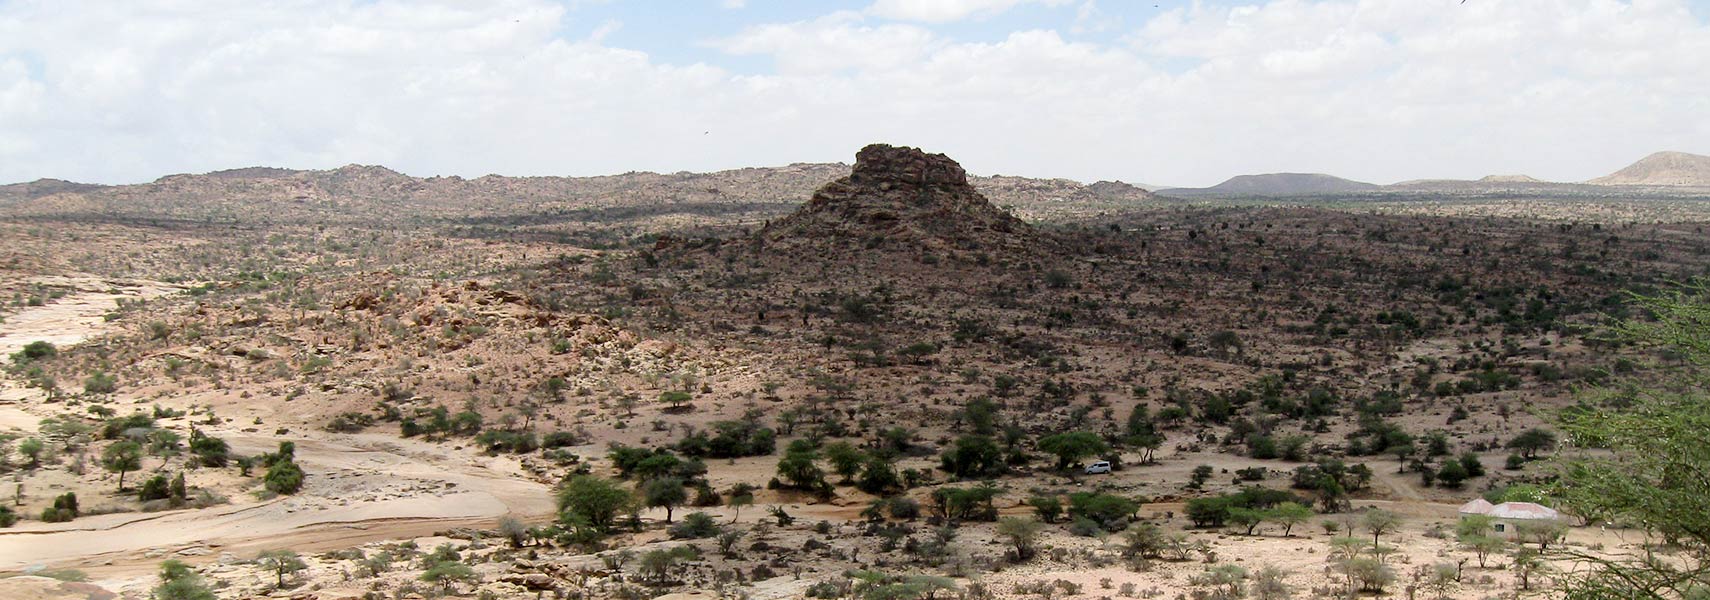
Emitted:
pixel 357 193
pixel 1278 184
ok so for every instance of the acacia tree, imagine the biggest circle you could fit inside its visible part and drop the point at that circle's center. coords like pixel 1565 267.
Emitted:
pixel 664 492
pixel 281 562
pixel 1654 442
pixel 1532 441
pixel 179 582
pixel 741 495
pixel 122 457
pixel 449 573
pixel 1022 532
pixel 1072 446
pixel 844 459
pixel 1289 514
pixel 595 501
pixel 1379 522
pixel 676 399
pixel 31 448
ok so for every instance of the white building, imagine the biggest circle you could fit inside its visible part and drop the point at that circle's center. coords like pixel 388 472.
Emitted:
pixel 1508 515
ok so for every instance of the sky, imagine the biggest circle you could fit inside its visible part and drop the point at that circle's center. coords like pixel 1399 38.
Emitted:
pixel 1162 92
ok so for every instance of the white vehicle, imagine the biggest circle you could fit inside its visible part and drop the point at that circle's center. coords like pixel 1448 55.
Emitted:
pixel 1102 466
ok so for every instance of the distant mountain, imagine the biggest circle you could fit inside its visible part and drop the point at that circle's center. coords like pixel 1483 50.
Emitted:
pixel 1662 168
pixel 1279 184
pixel 43 187
pixel 1510 179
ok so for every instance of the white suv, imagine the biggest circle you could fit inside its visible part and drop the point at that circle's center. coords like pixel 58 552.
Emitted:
pixel 1102 466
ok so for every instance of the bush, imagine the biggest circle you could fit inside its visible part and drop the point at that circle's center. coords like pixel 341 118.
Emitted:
pixel 560 439
pixel 1452 474
pixel 1473 466
pixel 8 517
pixel 115 428
pixel 730 439
pixel 878 477
pixel 966 504
pixel 1047 507
pixel 497 441
pixel 1085 527
pixel 155 488
pixel 100 383
pixel 973 456
pixel 630 461
pixel 695 525
pixel 905 509
pixel 210 451
pixel 1111 512
pixel 1209 512
pixel 705 496
pixel 67 502
pixel 1214 511
pixel 797 469
pixel 350 422
pixel 284 477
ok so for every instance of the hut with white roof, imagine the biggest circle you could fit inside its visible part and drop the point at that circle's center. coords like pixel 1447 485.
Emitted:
pixel 1507 516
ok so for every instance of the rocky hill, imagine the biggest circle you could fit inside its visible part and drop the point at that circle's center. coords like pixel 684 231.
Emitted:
pixel 1662 168
pixel 899 197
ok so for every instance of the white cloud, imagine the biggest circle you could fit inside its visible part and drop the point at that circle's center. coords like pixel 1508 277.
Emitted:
pixel 832 43
pixel 733 4
pixel 945 11
pixel 1090 19
pixel 1376 90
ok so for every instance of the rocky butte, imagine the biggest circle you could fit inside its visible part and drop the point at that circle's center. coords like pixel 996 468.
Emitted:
pixel 898 198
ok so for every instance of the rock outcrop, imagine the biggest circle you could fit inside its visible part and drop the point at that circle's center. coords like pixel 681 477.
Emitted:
pixel 899 197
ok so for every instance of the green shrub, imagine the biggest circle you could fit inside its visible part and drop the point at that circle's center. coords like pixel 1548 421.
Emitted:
pixel 496 440
pixel 560 439
pixel 695 525
pixel 210 451
pixel 100 383
pixel 154 488
pixel 56 515
pixel 67 502
pixel 1109 511
pixel 350 422
pixel 34 351
pixel 1049 508
pixel 284 477
pixel 116 427
pixel 904 508
pixel 878 477
pixel 973 456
